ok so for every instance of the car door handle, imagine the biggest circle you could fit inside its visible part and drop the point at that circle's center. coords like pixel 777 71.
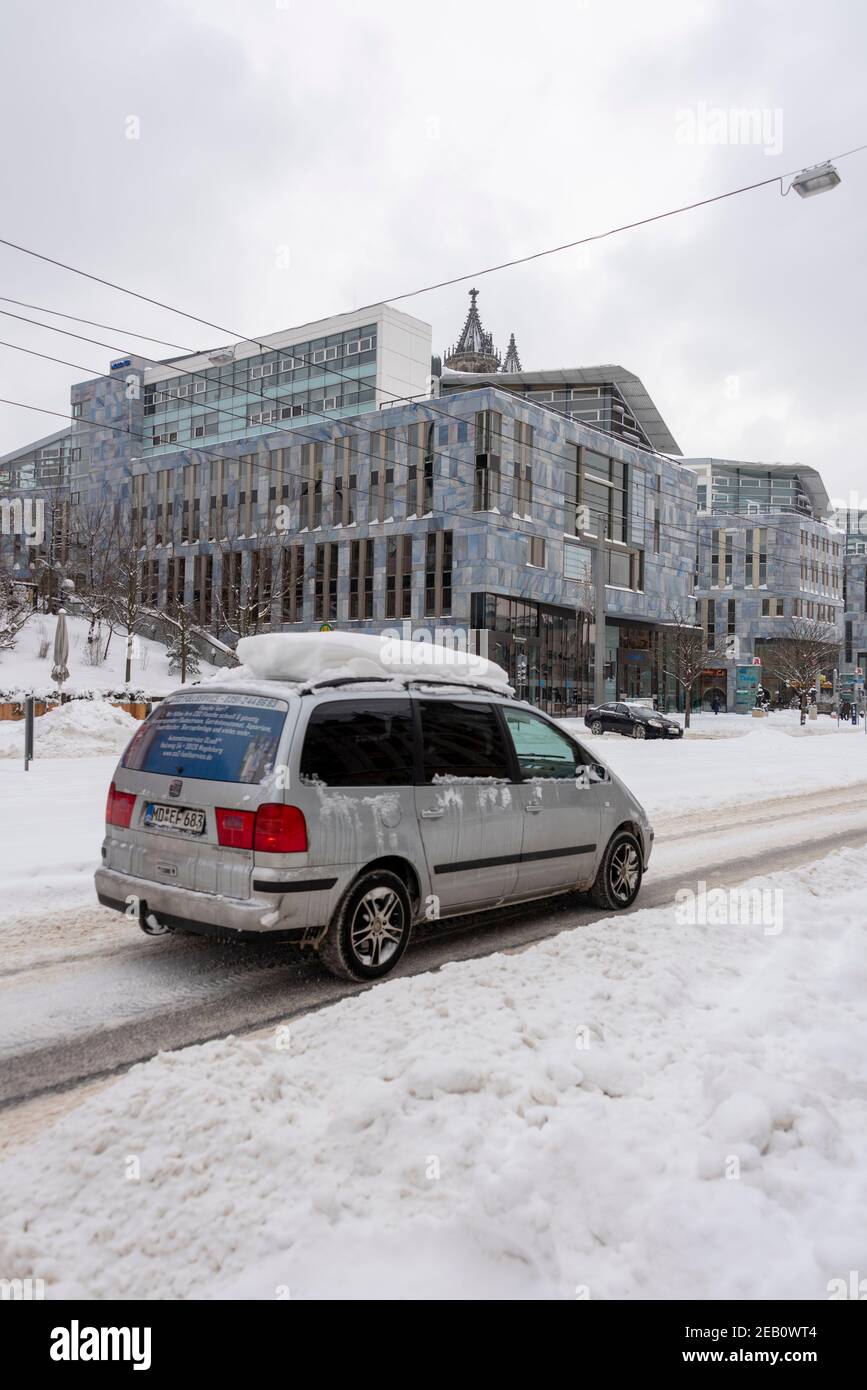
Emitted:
pixel 533 808
pixel 432 813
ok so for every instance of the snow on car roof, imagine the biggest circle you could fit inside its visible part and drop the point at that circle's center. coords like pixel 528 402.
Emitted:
pixel 306 658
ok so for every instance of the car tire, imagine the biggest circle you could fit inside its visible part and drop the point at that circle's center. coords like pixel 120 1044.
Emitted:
pixel 639 731
pixel 618 878
pixel 596 727
pixel 379 899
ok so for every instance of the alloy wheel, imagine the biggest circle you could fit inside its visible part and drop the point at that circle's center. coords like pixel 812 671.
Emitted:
pixel 596 727
pixel 378 925
pixel 638 731
pixel 623 871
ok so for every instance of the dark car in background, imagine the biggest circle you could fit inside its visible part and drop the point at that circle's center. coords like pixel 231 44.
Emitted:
pixel 633 721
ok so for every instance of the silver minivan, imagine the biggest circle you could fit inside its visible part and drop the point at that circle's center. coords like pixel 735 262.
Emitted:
pixel 340 814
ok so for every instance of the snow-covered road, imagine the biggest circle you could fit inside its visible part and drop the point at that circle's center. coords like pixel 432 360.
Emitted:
pixel 83 993
pixel 93 1006
pixel 648 1107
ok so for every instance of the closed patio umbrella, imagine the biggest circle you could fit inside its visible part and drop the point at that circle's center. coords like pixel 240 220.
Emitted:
pixel 60 670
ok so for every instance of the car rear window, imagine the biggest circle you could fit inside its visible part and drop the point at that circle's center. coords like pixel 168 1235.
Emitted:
pixel 360 743
pixel 216 738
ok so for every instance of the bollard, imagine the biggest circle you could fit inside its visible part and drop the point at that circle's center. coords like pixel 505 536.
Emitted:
pixel 28 732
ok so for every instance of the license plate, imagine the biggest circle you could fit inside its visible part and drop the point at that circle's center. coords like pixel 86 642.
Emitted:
pixel 174 818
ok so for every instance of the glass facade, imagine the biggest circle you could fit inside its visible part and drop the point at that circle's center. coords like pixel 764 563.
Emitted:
pixel 744 490
pixel 600 405
pixel 546 650
pixel 252 395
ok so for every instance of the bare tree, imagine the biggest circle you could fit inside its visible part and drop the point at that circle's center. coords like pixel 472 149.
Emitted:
pixel 127 589
pixel 93 534
pixel 15 609
pixel 687 654
pixel 798 658
pixel 244 603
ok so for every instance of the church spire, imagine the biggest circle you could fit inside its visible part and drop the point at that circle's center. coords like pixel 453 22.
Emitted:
pixel 474 350
pixel 511 362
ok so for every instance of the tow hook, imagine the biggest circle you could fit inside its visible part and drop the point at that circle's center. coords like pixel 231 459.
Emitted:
pixel 150 923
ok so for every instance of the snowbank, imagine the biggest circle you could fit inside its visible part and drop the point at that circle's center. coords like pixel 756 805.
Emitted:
pixel 78 729
pixel 299 657
pixel 525 1126
pixel 769 759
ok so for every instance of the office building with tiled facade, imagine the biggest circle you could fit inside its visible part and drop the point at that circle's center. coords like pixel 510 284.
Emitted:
pixel 766 554
pixel 338 502
pixel 341 475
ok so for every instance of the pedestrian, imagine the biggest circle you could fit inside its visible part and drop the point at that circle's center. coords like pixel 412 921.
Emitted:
pixel 714 704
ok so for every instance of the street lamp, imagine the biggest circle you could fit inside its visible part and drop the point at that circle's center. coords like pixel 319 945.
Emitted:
pixel 817 179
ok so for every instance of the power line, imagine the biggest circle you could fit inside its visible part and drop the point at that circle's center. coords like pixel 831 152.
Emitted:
pixel 409 294
pixel 424 289
pixel 92 323
pixel 454 280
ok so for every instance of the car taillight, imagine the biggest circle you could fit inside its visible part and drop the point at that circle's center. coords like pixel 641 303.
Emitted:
pixel 280 830
pixel 234 828
pixel 119 807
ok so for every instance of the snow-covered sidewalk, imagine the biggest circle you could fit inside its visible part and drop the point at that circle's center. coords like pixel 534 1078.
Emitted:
pixel 565 1121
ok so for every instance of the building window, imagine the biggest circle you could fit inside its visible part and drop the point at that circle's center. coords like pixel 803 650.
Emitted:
pixel 657 514
pixel 730 550
pixel 261 590
pixel 488 435
pixel 625 569
pixel 537 552
pixel 175 584
pixel 523 504
pixel 311 486
pixel 714 558
pixel 731 622
pixel 763 556
pixel 577 562
pixel 361 579
pixel 149 583
pixel 603 495
pixel 382 463
pixel 420 470
pixel 203 586
pixel 345 462
pixel 215 506
pixel 438 574
pixel 163 533
pixel 325 588
pixel 230 584
pixel 292 584
pixel 398 577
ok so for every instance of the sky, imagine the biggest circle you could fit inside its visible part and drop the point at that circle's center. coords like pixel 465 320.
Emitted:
pixel 266 163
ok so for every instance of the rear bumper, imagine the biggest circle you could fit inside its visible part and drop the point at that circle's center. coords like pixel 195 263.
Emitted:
pixel 291 908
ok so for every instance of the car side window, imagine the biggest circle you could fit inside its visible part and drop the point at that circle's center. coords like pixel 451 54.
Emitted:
pixel 541 749
pixel 461 739
pixel 360 743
